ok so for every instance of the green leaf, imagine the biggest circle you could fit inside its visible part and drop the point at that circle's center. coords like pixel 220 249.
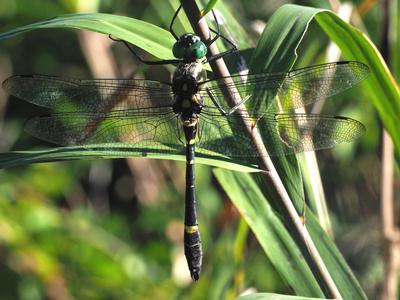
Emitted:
pixel 277 47
pixel 149 37
pixel 394 42
pixel 380 86
pixel 276 52
pixel 230 23
pixel 20 158
pixel 209 7
pixel 268 296
pixel 270 231
pixel 341 273
pixel 165 11
pixel 286 33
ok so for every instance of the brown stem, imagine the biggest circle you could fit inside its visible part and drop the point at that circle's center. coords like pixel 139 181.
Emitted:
pixel 271 175
pixel 390 232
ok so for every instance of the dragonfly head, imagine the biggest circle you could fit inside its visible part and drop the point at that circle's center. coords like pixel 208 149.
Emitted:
pixel 189 47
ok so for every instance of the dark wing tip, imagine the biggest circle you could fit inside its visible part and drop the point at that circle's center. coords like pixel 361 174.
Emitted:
pixel 38 127
pixel 359 68
pixel 8 82
pixel 357 130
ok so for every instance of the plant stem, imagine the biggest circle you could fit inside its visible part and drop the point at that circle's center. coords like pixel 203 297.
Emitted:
pixel 271 175
pixel 390 232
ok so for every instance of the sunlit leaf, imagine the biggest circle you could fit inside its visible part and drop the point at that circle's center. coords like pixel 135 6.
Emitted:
pixel 209 7
pixel 268 296
pixel 276 51
pixel 149 37
pixel 270 231
pixel 381 88
pixel 20 158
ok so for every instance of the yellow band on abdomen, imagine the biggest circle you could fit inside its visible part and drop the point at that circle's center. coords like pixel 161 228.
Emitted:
pixel 191 229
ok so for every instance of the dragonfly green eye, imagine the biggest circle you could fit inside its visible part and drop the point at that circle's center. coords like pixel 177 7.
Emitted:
pixel 178 50
pixel 189 47
pixel 199 50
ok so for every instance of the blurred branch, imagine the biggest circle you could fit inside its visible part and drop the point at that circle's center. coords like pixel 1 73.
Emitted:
pixel 270 174
pixel 390 232
pixel 149 178
pixel 97 51
pixel 366 6
pixel 334 4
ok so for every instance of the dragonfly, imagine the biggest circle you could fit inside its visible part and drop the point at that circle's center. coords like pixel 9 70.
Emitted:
pixel 190 116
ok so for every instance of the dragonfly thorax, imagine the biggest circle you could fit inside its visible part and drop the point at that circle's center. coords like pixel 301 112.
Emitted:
pixel 185 85
pixel 186 78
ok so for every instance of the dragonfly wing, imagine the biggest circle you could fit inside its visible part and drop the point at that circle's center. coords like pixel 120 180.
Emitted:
pixel 224 136
pixel 257 88
pixel 302 132
pixel 308 85
pixel 98 95
pixel 156 130
pixel 276 92
pixel 282 134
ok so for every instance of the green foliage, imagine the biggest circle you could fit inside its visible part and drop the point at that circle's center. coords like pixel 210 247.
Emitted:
pixel 74 252
pixel 20 158
pixel 267 296
pixel 381 87
pixel 270 231
pixel 276 51
pixel 149 37
pixel 209 7
pixel 92 256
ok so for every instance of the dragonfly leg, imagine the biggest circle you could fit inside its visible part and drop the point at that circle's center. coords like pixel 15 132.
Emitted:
pixel 217 32
pixel 224 38
pixel 157 62
pixel 147 62
pixel 219 35
pixel 220 55
pixel 222 111
pixel 172 23
pixel 214 100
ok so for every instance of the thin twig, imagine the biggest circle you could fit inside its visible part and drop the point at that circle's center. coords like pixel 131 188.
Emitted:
pixel 219 68
pixel 390 233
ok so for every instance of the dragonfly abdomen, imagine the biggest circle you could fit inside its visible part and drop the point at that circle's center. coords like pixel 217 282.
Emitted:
pixel 192 241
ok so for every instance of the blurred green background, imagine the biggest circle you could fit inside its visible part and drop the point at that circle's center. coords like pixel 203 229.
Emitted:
pixel 112 229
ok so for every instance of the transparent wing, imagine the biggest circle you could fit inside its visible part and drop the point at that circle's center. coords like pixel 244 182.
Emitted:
pixel 276 92
pixel 156 130
pixel 282 134
pixel 301 132
pixel 98 95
